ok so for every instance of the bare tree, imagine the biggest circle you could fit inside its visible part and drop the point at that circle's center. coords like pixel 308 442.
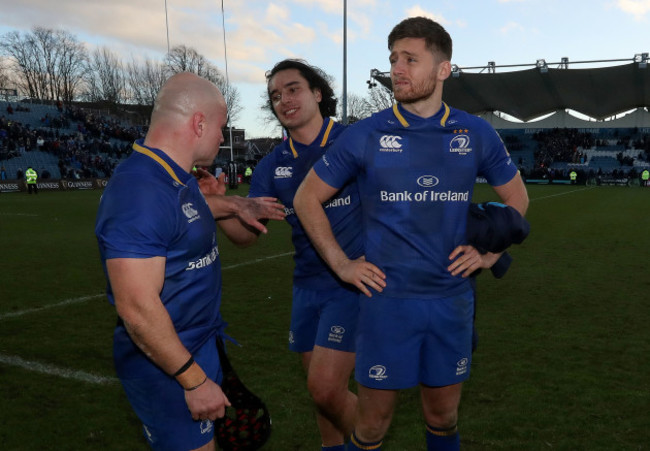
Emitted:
pixel 4 74
pixel 186 59
pixel 48 63
pixel 44 46
pixel 105 77
pixel 22 61
pixel 230 93
pixel 71 66
pixel 145 80
pixel 380 97
pixel 358 108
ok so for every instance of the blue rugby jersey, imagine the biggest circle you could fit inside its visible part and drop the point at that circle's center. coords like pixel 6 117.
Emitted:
pixel 279 174
pixel 153 208
pixel 416 178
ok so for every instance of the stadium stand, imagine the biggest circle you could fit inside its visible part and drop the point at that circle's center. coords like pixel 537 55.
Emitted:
pixel 58 142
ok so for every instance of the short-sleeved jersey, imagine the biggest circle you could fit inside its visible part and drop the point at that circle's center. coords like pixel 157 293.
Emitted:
pixel 416 177
pixel 279 174
pixel 151 207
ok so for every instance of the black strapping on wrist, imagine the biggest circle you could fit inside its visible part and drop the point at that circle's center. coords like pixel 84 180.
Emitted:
pixel 197 386
pixel 185 367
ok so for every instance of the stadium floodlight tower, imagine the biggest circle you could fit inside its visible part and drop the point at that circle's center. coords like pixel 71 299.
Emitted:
pixel 641 59
pixel 372 82
pixel 542 66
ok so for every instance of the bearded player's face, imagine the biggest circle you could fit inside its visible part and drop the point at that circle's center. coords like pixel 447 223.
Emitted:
pixel 413 70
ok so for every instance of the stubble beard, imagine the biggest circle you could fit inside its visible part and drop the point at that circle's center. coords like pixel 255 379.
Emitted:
pixel 419 92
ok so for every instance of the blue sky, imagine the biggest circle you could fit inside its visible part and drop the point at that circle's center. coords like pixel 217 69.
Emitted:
pixel 261 32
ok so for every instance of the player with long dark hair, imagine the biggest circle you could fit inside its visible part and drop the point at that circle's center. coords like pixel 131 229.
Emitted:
pixel 324 309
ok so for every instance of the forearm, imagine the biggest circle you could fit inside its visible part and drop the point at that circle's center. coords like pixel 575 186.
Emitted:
pixel 152 330
pixel 250 211
pixel 237 232
pixel 312 215
pixel 223 206
pixel 136 285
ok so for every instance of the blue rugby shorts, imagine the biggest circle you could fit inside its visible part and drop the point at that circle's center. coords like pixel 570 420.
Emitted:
pixel 326 318
pixel 402 343
pixel 160 404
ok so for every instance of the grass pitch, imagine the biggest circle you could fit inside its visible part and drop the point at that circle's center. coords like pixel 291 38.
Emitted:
pixel 562 361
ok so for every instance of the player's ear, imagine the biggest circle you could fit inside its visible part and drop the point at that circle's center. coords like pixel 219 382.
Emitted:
pixel 198 123
pixel 444 70
pixel 318 95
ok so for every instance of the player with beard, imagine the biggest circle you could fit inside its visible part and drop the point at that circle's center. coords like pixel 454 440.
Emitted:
pixel 416 164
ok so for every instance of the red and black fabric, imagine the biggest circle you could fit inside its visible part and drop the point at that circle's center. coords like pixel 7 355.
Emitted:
pixel 247 423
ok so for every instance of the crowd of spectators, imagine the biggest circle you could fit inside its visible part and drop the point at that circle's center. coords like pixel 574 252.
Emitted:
pixel 562 145
pixel 86 144
pixel 584 175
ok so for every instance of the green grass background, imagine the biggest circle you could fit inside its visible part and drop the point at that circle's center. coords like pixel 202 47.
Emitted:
pixel 562 363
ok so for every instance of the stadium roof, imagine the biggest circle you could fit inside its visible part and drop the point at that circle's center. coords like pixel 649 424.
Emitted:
pixel 599 93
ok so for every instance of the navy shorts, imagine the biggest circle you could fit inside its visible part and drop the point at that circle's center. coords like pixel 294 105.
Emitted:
pixel 326 318
pixel 402 343
pixel 160 404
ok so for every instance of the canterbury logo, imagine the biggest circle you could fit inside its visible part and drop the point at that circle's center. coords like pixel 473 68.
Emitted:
pixel 283 172
pixel 189 211
pixel 390 142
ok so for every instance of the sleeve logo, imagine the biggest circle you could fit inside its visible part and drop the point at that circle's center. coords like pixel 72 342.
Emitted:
pixel 283 172
pixel 191 212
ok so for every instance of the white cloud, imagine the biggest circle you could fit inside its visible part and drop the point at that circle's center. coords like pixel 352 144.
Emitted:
pixel 336 36
pixel 511 27
pixel 417 10
pixel 361 20
pixel 637 8
pixel 276 14
pixel 329 6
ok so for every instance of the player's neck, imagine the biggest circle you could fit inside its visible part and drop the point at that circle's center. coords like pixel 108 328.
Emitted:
pixel 307 133
pixel 176 152
pixel 427 107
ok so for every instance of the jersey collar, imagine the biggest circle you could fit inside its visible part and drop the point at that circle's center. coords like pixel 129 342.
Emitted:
pixel 139 147
pixel 400 117
pixel 323 141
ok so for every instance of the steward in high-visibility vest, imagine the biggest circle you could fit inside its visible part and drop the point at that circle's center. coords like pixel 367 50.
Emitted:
pixel 248 173
pixel 645 175
pixel 31 177
pixel 573 175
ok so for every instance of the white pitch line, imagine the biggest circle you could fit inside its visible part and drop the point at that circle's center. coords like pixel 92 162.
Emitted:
pixel 563 194
pixel 47 307
pixel 95 296
pixel 82 376
pixel 257 260
pixel 52 370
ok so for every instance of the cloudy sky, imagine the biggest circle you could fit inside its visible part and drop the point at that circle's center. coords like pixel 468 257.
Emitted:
pixel 258 33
